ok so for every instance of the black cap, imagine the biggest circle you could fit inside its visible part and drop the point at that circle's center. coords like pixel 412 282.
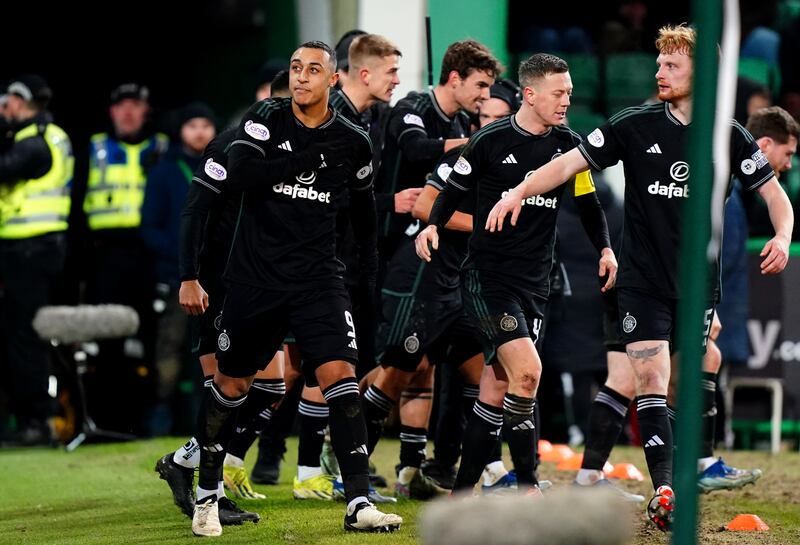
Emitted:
pixel 343 48
pixel 31 88
pixel 195 109
pixel 135 91
pixel 507 91
pixel 268 71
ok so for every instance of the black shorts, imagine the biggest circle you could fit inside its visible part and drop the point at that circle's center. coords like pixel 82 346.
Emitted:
pixel 410 325
pixel 501 310
pixel 611 331
pixel 206 327
pixel 255 323
pixel 459 342
pixel 644 316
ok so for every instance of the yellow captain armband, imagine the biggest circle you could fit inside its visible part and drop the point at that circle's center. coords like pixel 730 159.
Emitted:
pixel 583 183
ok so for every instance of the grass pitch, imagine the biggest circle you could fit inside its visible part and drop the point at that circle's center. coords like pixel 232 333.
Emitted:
pixel 109 494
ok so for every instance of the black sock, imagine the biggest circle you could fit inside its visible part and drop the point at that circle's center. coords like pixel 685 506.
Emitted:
pixel 454 407
pixel 215 424
pixel 606 419
pixel 656 433
pixel 349 436
pixel 497 452
pixel 519 433
pixel 273 437
pixel 377 406
pixel 480 437
pixel 313 419
pixel 412 446
pixel 537 430
pixel 255 414
pixel 673 425
pixel 709 414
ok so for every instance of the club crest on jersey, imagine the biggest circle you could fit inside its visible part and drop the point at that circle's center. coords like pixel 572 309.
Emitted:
pixel 413 119
pixel 596 138
pixel 748 166
pixel 306 177
pixel 223 342
pixel 759 158
pixel 462 166
pixel 411 344
pixel 508 323
pixel 628 323
pixel 256 130
pixel 679 171
pixel 364 172
pixel 215 171
pixel 218 322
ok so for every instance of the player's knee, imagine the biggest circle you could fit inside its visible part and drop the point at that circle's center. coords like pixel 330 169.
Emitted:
pixel 713 358
pixel 232 386
pixel 651 381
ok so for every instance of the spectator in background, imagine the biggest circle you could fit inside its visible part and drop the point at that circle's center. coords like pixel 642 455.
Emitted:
pixel 35 176
pixel 790 68
pixel 279 86
pixel 120 269
pixel 751 96
pixel 165 192
pixel 759 41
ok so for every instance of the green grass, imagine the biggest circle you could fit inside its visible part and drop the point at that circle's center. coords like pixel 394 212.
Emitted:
pixel 108 494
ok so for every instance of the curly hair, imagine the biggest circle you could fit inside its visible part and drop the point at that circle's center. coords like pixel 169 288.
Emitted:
pixel 676 39
pixel 466 57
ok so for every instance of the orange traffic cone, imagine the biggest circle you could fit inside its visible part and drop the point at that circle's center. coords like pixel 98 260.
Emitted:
pixel 544 446
pixel 573 463
pixel 559 453
pixel 628 472
pixel 747 523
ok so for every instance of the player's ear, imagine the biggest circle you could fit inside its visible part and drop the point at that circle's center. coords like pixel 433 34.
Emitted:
pixel 334 79
pixel 364 75
pixel 529 95
pixel 453 78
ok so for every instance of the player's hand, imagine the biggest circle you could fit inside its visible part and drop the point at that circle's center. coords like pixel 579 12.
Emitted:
pixel 512 202
pixel 777 255
pixel 404 200
pixel 608 269
pixel 193 298
pixel 426 237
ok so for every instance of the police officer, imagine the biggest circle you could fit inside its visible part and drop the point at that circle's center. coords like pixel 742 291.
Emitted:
pixel 120 266
pixel 35 178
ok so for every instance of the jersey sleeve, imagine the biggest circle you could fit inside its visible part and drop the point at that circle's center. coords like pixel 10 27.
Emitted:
pixel 254 129
pixel 362 172
pixel 407 126
pixel 748 163
pixel 603 147
pixel 469 165
pixel 438 177
pixel 212 172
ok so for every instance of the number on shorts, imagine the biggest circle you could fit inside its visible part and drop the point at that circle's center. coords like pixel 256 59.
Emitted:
pixel 707 316
pixel 537 326
pixel 349 319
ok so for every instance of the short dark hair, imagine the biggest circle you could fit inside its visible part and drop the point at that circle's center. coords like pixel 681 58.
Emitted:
pixel 280 83
pixel 317 44
pixel 467 56
pixel 538 66
pixel 774 122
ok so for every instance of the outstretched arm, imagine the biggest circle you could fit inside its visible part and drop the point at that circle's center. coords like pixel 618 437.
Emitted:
pixel 548 177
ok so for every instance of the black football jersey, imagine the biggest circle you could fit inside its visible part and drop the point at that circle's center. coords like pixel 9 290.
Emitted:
pixel 285 235
pixel 651 143
pixel 496 159
pixel 210 211
pixel 340 102
pixel 439 279
pixel 413 143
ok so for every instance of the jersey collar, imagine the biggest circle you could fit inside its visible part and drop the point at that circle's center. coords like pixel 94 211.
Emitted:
pixel 325 125
pixel 523 132
pixel 438 108
pixel 672 117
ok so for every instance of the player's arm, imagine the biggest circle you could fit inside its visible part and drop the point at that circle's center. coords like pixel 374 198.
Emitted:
pixel 776 250
pixel 460 180
pixel 594 223
pixel 364 217
pixel 459 221
pixel 248 165
pixel 205 190
pixel 408 129
pixel 540 181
